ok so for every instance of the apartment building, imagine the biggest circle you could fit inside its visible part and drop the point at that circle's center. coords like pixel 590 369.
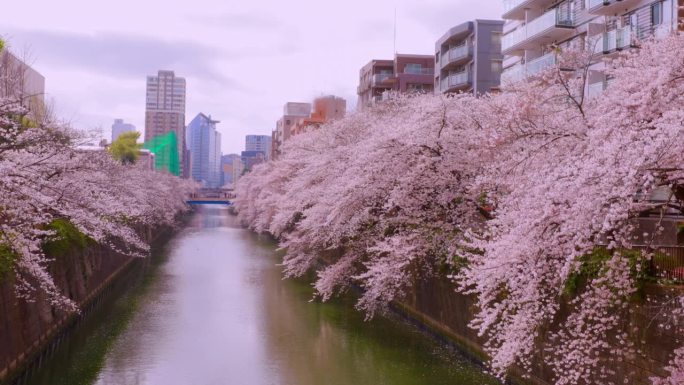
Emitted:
pixel 259 143
pixel 165 118
pixel 292 112
pixel 536 30
pixel 325 109
pixel 468 58
pixel 406 73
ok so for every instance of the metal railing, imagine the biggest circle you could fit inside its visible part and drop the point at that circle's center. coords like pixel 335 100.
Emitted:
pixel 509 5
pixel 379 78
pixel 513 74
pixel 666 263
pixel 531 68
pixel 596 3
pixel 419 71
pixel 455 80
pixel 460 52
pixel 613 40
pixel 561 16
pixel 539 64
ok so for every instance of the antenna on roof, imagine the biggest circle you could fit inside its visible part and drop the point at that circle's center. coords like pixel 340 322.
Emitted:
pixel 395 30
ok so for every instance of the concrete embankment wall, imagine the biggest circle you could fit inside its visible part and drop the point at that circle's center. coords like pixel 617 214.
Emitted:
pixel 28 328
pixel 435 306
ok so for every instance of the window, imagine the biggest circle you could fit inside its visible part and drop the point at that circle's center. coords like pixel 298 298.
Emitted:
pixel 415 87
pixel 497 67
pixel 657 13
pixel 496 39
pixel 413 68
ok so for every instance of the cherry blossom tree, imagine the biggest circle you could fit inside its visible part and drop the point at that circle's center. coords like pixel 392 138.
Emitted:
pixel 44 177
pixel 530 197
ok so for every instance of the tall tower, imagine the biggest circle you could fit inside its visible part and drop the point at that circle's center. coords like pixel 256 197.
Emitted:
pixel 204 143
pixel 165 121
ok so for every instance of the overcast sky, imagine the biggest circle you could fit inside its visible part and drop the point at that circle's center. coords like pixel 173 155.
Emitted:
pixel 242 59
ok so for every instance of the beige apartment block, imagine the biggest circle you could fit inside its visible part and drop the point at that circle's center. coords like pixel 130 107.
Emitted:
pixel 165 111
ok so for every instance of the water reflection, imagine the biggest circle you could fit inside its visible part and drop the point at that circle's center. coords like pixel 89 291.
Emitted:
pixel 219 312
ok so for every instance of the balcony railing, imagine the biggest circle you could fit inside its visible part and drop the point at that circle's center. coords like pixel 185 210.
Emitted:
pixel 378 79
pixel 455 80
pixel 609 7
pixel 419 71
pixel 560 17
pixel 513 74
pixel 512 4
pixel 531 68
pixel 612 40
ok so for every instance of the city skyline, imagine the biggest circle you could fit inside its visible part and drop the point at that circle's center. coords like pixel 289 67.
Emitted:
pixel 117 46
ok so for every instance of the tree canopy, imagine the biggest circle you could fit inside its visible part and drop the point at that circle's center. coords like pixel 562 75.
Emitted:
pixel 512 192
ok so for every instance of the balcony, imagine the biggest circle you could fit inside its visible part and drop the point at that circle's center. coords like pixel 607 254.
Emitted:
pixel 457 55
pixel 455 82
pixel 381 80
pixel 614 40
pixel 419 71
pixel 533 67
pixel 515 9
pixel 555 24
pixel 610 7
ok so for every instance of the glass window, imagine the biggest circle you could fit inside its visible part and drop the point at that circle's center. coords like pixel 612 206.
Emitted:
pixel 657 13
pixel 413 68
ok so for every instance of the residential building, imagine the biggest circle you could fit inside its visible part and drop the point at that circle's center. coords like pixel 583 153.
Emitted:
pixel 259 143
pixel 165 120
pixel 292 111
pixel 119 127
pixel 238 170
pixel 19 80
pixel 537 30
pixel 325 109
pixel 231 168
pixel 204 143
pixel 406 73
pixel 468 58
pixel 251 159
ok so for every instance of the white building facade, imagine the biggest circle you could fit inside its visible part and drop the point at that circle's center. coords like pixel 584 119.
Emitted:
pixel 537 30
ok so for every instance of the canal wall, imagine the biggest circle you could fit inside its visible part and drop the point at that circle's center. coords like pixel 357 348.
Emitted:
pixel 435 306
pixel 83 272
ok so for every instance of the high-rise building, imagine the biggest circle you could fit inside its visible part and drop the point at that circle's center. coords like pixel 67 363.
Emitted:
pixel 204 143
pixel 405 74
pixel 468 58
pixel 259 143
pixel 536 31
pixel 119 127
pixel 20 81
pixel 165 121
pixel 292 111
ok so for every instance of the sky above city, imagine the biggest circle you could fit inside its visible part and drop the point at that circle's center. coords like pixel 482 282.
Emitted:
pixel 243 60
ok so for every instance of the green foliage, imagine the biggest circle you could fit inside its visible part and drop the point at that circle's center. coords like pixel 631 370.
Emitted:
pixel 592 264
pixel 2 45
pixel 125 148
pixel 8 258
pixel 67 237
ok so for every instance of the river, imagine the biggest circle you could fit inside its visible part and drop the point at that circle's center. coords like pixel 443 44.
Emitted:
pixel 214 309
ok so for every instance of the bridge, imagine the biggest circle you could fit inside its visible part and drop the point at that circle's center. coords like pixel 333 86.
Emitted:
pixel 214 196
